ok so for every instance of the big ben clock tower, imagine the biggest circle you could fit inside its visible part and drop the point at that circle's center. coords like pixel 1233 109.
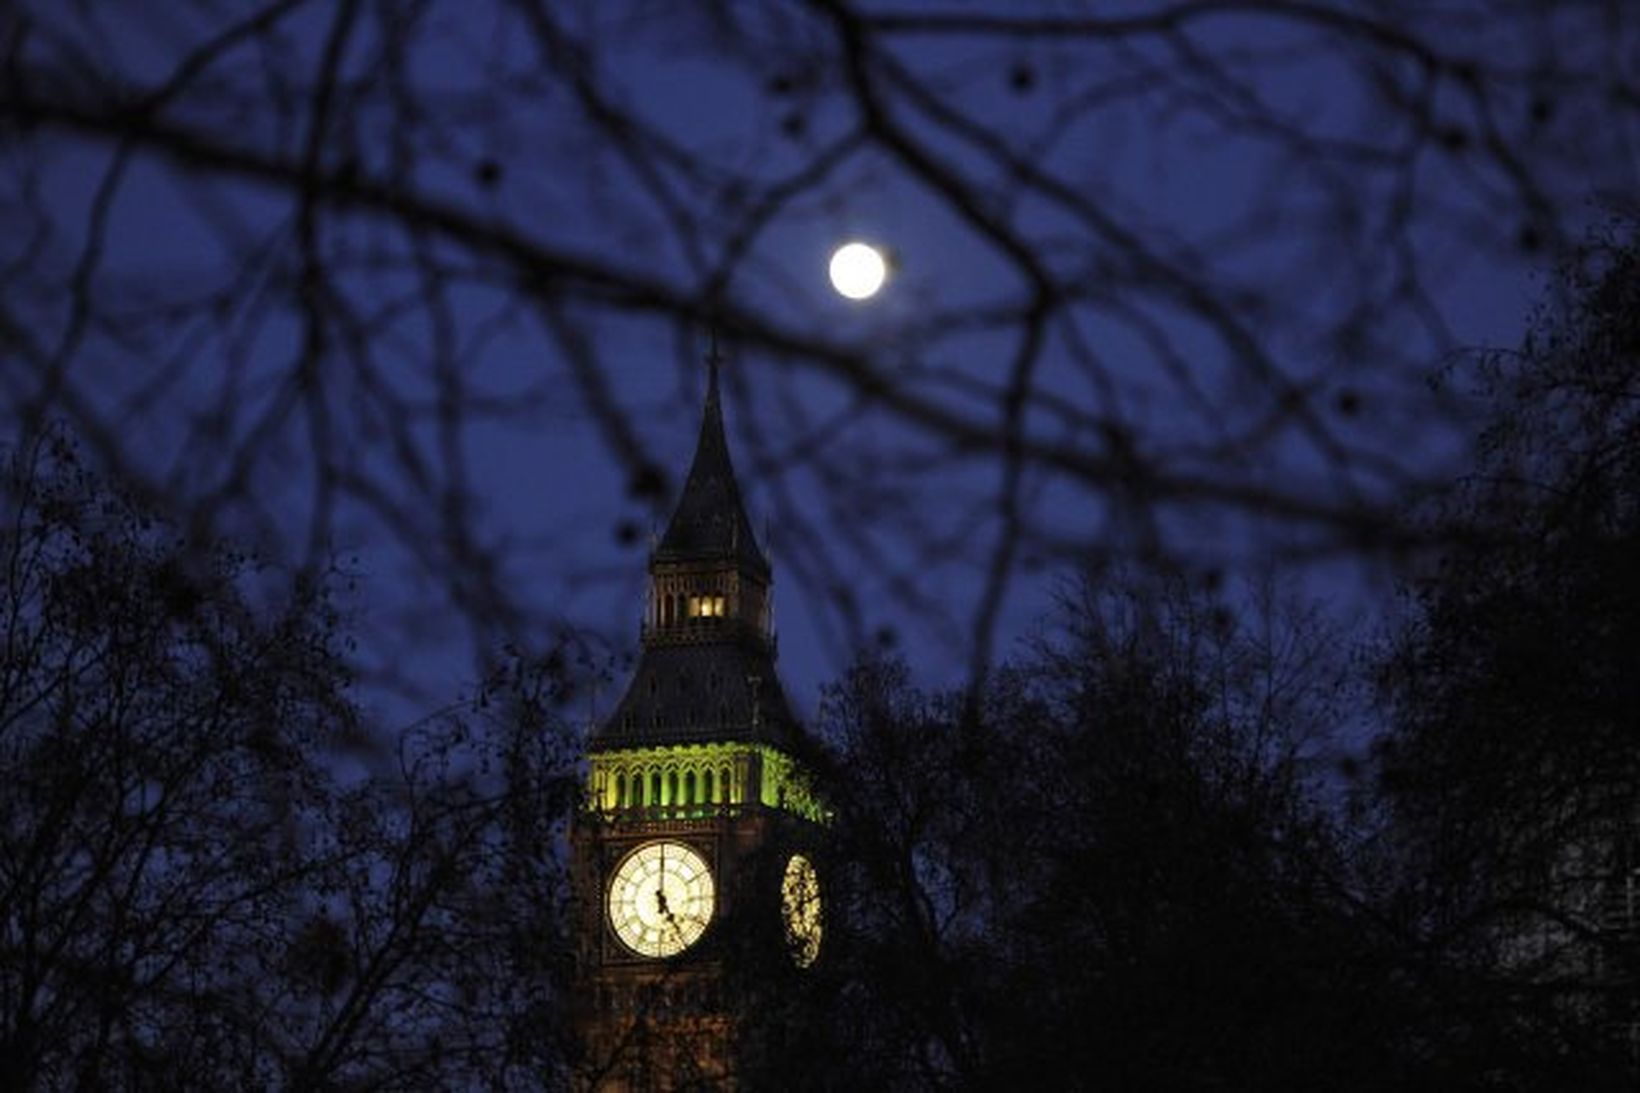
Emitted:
pixel 693 792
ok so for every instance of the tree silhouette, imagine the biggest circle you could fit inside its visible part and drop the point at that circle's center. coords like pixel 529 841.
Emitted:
pixel 1110 871
pixel 206 879
pixel 1510 762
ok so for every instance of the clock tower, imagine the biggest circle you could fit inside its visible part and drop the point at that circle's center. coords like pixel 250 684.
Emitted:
pixel 694 832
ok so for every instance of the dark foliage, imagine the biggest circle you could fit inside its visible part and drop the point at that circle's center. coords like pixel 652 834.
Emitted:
pixel 1106 870
pixel 1511 766
pixel 207 878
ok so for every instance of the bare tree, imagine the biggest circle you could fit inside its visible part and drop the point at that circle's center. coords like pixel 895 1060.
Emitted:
pixel 1111 870
pixel 1173 278
pixel 1509 762
pixel 204 878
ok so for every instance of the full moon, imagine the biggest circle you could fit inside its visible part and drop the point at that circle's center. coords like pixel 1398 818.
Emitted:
pixel 857 270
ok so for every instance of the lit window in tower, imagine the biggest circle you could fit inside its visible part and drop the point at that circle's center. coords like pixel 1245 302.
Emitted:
pixel 706 607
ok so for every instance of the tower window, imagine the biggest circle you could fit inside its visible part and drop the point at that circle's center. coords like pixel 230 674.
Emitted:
pixel 689 797
pixel 655 788
pixel 706 607
pixel 706 788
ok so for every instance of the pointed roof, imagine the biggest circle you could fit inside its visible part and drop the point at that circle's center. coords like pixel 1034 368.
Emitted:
pixel 710 520
pixel 695 694
pixel 710 679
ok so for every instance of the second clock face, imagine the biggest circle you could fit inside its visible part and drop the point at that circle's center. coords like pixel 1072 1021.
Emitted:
pixel 661 899
pixel 800 908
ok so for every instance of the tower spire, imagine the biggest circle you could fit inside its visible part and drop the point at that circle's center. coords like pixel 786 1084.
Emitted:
pixel 706 613
pixel 710 519
pixel 714 357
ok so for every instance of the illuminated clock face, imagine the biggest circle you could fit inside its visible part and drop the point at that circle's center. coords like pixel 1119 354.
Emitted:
pixel 800 907
pixel 661 899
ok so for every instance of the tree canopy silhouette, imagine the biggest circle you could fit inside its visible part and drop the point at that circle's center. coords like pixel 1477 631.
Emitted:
pixel 1510 761
pixel 1112 869
pixel 208 877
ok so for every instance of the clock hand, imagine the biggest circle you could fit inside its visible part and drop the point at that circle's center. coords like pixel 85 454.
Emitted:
pixel 665 908
pixel 677 927
pixel 660 883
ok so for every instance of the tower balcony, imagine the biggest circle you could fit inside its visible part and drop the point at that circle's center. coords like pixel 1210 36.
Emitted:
pixel 640 816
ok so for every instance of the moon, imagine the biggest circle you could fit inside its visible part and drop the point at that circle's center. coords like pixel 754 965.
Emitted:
pixel 858 270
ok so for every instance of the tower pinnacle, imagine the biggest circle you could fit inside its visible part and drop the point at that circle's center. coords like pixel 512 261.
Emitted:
pixel 710 521
pixel 707 621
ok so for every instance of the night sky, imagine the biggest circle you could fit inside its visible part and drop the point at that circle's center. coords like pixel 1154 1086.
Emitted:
pixel 1257 374
pixel 1249 239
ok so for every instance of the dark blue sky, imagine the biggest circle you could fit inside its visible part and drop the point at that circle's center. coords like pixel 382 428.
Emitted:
pixel 429 289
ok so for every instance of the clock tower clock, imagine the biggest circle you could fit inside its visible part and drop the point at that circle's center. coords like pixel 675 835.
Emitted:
pixel 691 783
